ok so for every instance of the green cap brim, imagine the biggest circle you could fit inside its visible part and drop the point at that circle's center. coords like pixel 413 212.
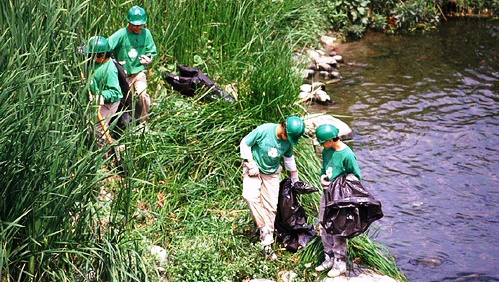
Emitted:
pixel 138 23
pixel 292 140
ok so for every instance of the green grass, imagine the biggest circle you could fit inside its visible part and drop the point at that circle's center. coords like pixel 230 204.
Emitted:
pixel 183 183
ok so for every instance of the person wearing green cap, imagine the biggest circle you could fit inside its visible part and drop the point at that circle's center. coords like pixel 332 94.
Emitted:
pixel 104 83
pixel 134 48
pixel 337 159
pixel 261 151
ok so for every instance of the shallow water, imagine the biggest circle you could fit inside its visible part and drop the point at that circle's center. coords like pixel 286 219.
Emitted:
pixel 426 114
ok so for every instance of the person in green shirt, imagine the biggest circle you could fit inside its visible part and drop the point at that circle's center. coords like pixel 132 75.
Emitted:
pixel 337 159
pixel 134 48
pixel 104 83
pixel 261 151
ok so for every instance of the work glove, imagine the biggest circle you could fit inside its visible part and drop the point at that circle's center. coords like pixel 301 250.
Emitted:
pixel 145 60
pixel 252 168
pixel 294 176
pixel 325 181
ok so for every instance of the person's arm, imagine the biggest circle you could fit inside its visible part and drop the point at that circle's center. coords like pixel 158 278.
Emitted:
pixel 245 150
pixel 290 164
pixel 246 154
pixel 150 46
pixel 351 166
pixel 114 40
pixel 111 89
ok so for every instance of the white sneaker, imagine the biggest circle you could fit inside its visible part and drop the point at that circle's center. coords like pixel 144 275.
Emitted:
pixel 325 265
pixel 339 268
pixel 268 239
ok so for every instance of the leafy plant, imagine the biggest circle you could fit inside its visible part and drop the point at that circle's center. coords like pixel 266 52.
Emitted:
pixel 350 16
pixel 378 21
pixel 415 14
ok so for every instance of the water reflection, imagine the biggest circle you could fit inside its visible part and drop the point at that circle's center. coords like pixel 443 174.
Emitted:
pixel 425 114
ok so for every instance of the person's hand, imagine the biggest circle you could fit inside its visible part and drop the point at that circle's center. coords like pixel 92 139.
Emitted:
pixel 252 168
pixel 325 181
pixel 145 60
pixel 294 176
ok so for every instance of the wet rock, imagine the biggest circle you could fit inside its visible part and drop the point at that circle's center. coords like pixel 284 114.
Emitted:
pixel 428 262
pixel 319 84
pixel 325 67
pixel 308 73
pixel 325 74
pixel 313 67
pixel 335 74
pixel 305 96
pixel 314 55
pixel 314 120
pixel 306 88
pixel 327 60
pixel 320 96
pixel 338 58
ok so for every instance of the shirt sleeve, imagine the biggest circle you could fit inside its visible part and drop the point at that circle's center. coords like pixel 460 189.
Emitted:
pixel 114 40
pixel 326 157
pixel 111 90
pixel 351 166
pixel 252 137
pixel 290 163
pixel 289 152
pixel 150 45
pixel 245 150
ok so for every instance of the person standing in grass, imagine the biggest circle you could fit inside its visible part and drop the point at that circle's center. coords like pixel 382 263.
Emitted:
pixel 134 48
pixel 337 159
pixel 261 151
pixel 104 83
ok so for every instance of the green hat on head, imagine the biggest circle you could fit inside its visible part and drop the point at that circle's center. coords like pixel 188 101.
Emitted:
pixel 136 16
pixel 96 44
pixel 294 129
pixel 326 132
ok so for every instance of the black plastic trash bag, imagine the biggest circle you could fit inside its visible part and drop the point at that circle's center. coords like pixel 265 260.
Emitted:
pixel 347 208
pixel 291 220
pixel 124 111
pixel 189 80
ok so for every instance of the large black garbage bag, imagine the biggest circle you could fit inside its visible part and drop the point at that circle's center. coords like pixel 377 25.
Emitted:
pixel 189 80
pixel 125 107
pixel 348 209
pixel 291 220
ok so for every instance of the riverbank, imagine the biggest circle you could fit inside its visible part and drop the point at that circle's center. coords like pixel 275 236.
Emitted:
pixel 180 195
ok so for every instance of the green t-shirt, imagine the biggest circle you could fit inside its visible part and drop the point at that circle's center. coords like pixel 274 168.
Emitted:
pixel 128 47
pixel 266 149
pixel 336 163
pixel 105 82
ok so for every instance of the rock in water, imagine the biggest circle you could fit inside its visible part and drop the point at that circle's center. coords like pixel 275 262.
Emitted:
pixel 314 120
pixel 306 88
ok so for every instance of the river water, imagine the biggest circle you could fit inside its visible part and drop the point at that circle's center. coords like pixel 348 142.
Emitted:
pixel 426 114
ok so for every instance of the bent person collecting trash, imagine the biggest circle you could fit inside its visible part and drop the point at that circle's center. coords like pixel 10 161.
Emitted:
pixel 261 151
pixel 104 86
pixel 134 48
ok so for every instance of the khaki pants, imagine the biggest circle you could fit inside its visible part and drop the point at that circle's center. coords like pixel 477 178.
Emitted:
pixel 107 111
pixel 262 194
pixel 138 86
